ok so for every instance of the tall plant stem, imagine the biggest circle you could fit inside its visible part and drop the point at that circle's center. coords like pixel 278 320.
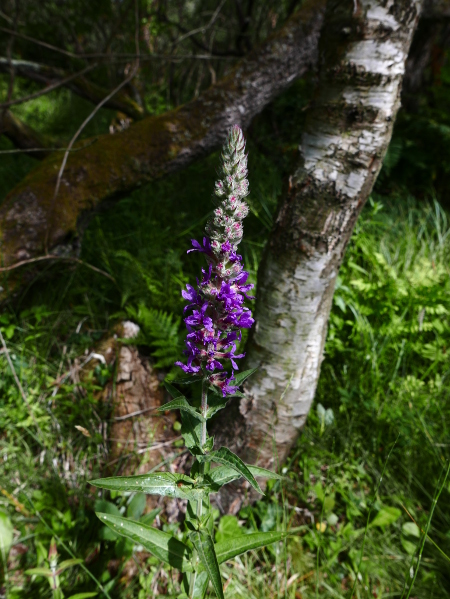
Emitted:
pixel 203 468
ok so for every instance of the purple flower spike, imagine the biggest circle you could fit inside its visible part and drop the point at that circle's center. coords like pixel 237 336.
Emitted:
pixel 217 312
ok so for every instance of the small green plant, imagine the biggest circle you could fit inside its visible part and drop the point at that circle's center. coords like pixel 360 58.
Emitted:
pixel 53 571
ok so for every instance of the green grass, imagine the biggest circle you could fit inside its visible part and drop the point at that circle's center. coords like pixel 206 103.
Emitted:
pixel 384 389
pixel 384 385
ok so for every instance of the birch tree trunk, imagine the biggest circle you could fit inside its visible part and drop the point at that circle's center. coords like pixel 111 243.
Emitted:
pixel 347 132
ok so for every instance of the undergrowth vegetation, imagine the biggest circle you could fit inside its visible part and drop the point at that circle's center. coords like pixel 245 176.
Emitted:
pixel 383 399
pixel 384 386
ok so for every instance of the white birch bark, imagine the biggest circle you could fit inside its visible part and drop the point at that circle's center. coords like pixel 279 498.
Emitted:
pixel 363 58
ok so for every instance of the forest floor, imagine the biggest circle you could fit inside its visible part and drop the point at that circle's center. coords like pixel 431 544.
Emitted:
pixel 367 476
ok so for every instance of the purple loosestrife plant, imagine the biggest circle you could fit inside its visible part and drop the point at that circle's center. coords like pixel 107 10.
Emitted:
pixel 214 317
pixel 216 311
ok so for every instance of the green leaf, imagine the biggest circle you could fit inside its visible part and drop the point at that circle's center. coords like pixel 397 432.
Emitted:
pixel 242 376
pixel 191 429
pixel 386 516
pixel 228 458
pixel 200 585
pixel 181 403
pixel 216 403
pixel 409 547
pixel 157 483
pixel 106 507
pixel 68 563
pixel 411 529
pixel 230 548
pixel 150 517
pixel 228 528
pixel 204 545
pixel 6 535
pixel 187 380
pixel 224 474
pixel 137 506
pixel 172 390
pixel 39 572
pixel 161 544
pixel 83 595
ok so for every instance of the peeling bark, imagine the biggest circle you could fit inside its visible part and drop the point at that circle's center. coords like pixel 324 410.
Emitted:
pixel 32 222
pixel 347 132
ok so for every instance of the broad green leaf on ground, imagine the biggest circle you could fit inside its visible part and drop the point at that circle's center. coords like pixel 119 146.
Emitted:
pixel 83 596
pixel 411 529
pixel 228 458
pixel 191 429
pixel 161 544
pixel 106 507
pixel 181 403
pixel 157 483
pixel 136 506
pixel 148 518
pixel 230 548
pixel 224 474
pixel 228 528
pixel 386 516
pixel 204 546
pixel 6 535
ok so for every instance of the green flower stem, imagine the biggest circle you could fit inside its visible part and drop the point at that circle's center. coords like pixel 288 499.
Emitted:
pixel 204 468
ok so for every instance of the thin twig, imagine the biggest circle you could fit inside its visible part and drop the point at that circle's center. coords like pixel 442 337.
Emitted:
pixel 89 118
pixel 53 257
pixel 49 88
pixel 39 42
pixel 26 151
pixel 141 451
pixel 133 414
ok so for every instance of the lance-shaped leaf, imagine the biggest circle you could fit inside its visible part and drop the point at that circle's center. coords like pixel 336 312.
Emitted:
pixel 224 474
pixel 230 548
pixel 68 563
pixel 242 376
pixel 191 429
pixel 157 483
pixel 228 458
pixel 216 403
pixel 181 403
pixel 184 380
pixel 204 545
pixel 39 572
pixel 161 544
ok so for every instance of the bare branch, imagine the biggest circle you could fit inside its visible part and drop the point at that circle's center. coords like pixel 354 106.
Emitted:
pixel 92 92
pixel 55 257
pixel 39 42
pixel 23 136
pixel 153 147
pixel 48 89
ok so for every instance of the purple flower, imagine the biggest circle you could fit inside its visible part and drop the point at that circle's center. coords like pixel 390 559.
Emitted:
pixel 216 308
